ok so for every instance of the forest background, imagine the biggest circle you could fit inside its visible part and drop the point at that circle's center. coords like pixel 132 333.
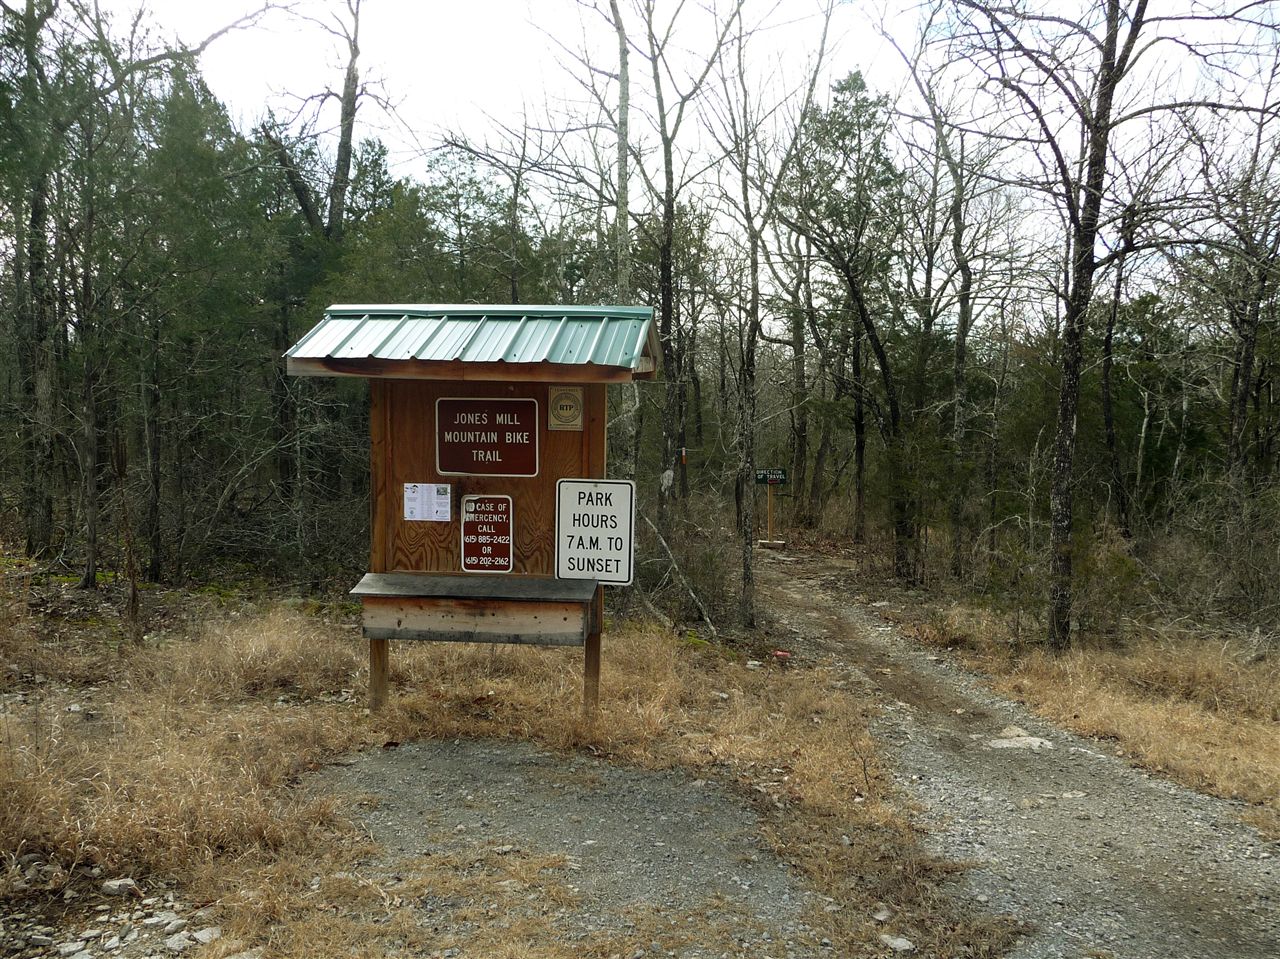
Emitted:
pixel 1011 327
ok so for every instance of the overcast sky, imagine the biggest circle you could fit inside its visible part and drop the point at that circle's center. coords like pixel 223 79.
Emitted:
pixel 447 63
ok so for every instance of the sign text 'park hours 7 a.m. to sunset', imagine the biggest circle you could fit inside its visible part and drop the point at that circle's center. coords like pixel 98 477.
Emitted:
pixel 595 521
pixel 486 436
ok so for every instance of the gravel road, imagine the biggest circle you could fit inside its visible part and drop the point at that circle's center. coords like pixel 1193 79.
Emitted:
pixel 655 852
pixel 1103 859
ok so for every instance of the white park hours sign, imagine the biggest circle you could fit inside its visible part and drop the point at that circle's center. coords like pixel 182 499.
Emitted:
pixel 595 523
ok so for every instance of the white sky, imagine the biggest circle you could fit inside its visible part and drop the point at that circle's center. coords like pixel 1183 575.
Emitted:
pixel 445 64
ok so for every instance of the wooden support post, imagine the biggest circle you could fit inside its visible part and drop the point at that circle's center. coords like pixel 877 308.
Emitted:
pixel 379 659
pixel 591 659
pixel 770 511
pixel 769 541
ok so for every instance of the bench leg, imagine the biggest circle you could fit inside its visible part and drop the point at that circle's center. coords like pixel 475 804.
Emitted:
pixel 591 677
pixel 379 658
pixel 591 660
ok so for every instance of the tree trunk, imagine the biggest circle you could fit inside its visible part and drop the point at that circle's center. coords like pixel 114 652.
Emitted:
pixel 671 386
pixel 1118 489
pixel 671 418
pixel 1082 266
pixel 88 336
pixel 638 435
pixel 800 410
pixel 151 435
pixel 859 443
pixel 89 464
pixel 39 384
pixel 747 415
pixel 36 362
pixel 282 396
pixel 1060 494
pixel 346 134
pixel 960 459
pixel 1246 324
pixel 622 216
pixel 746 480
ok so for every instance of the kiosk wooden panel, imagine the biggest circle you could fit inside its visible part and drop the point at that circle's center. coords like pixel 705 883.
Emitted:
pixel 403 451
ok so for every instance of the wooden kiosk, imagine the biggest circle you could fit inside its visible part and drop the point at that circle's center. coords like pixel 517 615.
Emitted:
pixel 476 414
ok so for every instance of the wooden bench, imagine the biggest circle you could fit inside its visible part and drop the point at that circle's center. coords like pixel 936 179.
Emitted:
pixel 447 608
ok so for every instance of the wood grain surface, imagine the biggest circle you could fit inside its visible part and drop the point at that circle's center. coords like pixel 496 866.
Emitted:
pixel 403 428
pixel 436 619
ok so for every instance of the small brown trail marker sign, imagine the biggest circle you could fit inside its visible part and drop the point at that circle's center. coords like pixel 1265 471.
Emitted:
pixel 771 476
pixel 487 534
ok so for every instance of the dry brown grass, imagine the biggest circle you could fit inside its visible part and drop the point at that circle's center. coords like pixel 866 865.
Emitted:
pixel 1205 711
pixel 183 762
pixel 172 764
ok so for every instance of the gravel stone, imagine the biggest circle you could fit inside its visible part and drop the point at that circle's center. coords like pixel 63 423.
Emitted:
pixel 207 935
pixel 897 943
pixel 120 887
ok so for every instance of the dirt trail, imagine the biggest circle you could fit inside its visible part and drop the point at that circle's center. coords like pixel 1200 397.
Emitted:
pixel 1103 859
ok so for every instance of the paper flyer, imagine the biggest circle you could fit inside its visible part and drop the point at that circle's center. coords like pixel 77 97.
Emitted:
pixel 427 502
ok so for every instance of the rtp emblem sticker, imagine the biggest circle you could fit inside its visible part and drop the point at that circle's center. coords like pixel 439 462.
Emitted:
pixel 564 408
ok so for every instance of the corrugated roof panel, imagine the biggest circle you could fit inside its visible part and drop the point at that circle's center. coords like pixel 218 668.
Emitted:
pixel 411 335
pixel 607 336
pixel 602 348
pixel 577 345
pixel 365 341
pixel 489 342
pixel 449 342
pixel 535 339
pixel 615 345
pixel 326 336
pixel 631 346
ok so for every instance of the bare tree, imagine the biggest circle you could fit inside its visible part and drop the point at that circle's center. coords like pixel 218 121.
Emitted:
pixel 1067 82
pixel 1240 268
pixel 330 222
pixel 674 91
pixel 758 163
pixel 846 198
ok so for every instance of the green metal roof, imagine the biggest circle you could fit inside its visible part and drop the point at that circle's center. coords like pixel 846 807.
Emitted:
pixel 619 337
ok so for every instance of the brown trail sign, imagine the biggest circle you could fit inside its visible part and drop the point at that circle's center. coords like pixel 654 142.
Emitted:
pixel 770 477
pixel 476 414
pixel 487 437
pixel 486 534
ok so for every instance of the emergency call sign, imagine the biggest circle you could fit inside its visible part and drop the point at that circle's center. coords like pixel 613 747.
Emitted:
pixel 487 534
pixel 486 436
pixel 595 522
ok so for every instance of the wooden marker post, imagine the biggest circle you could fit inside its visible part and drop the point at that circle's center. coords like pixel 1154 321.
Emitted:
pixel 770 511
pixel 769 478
